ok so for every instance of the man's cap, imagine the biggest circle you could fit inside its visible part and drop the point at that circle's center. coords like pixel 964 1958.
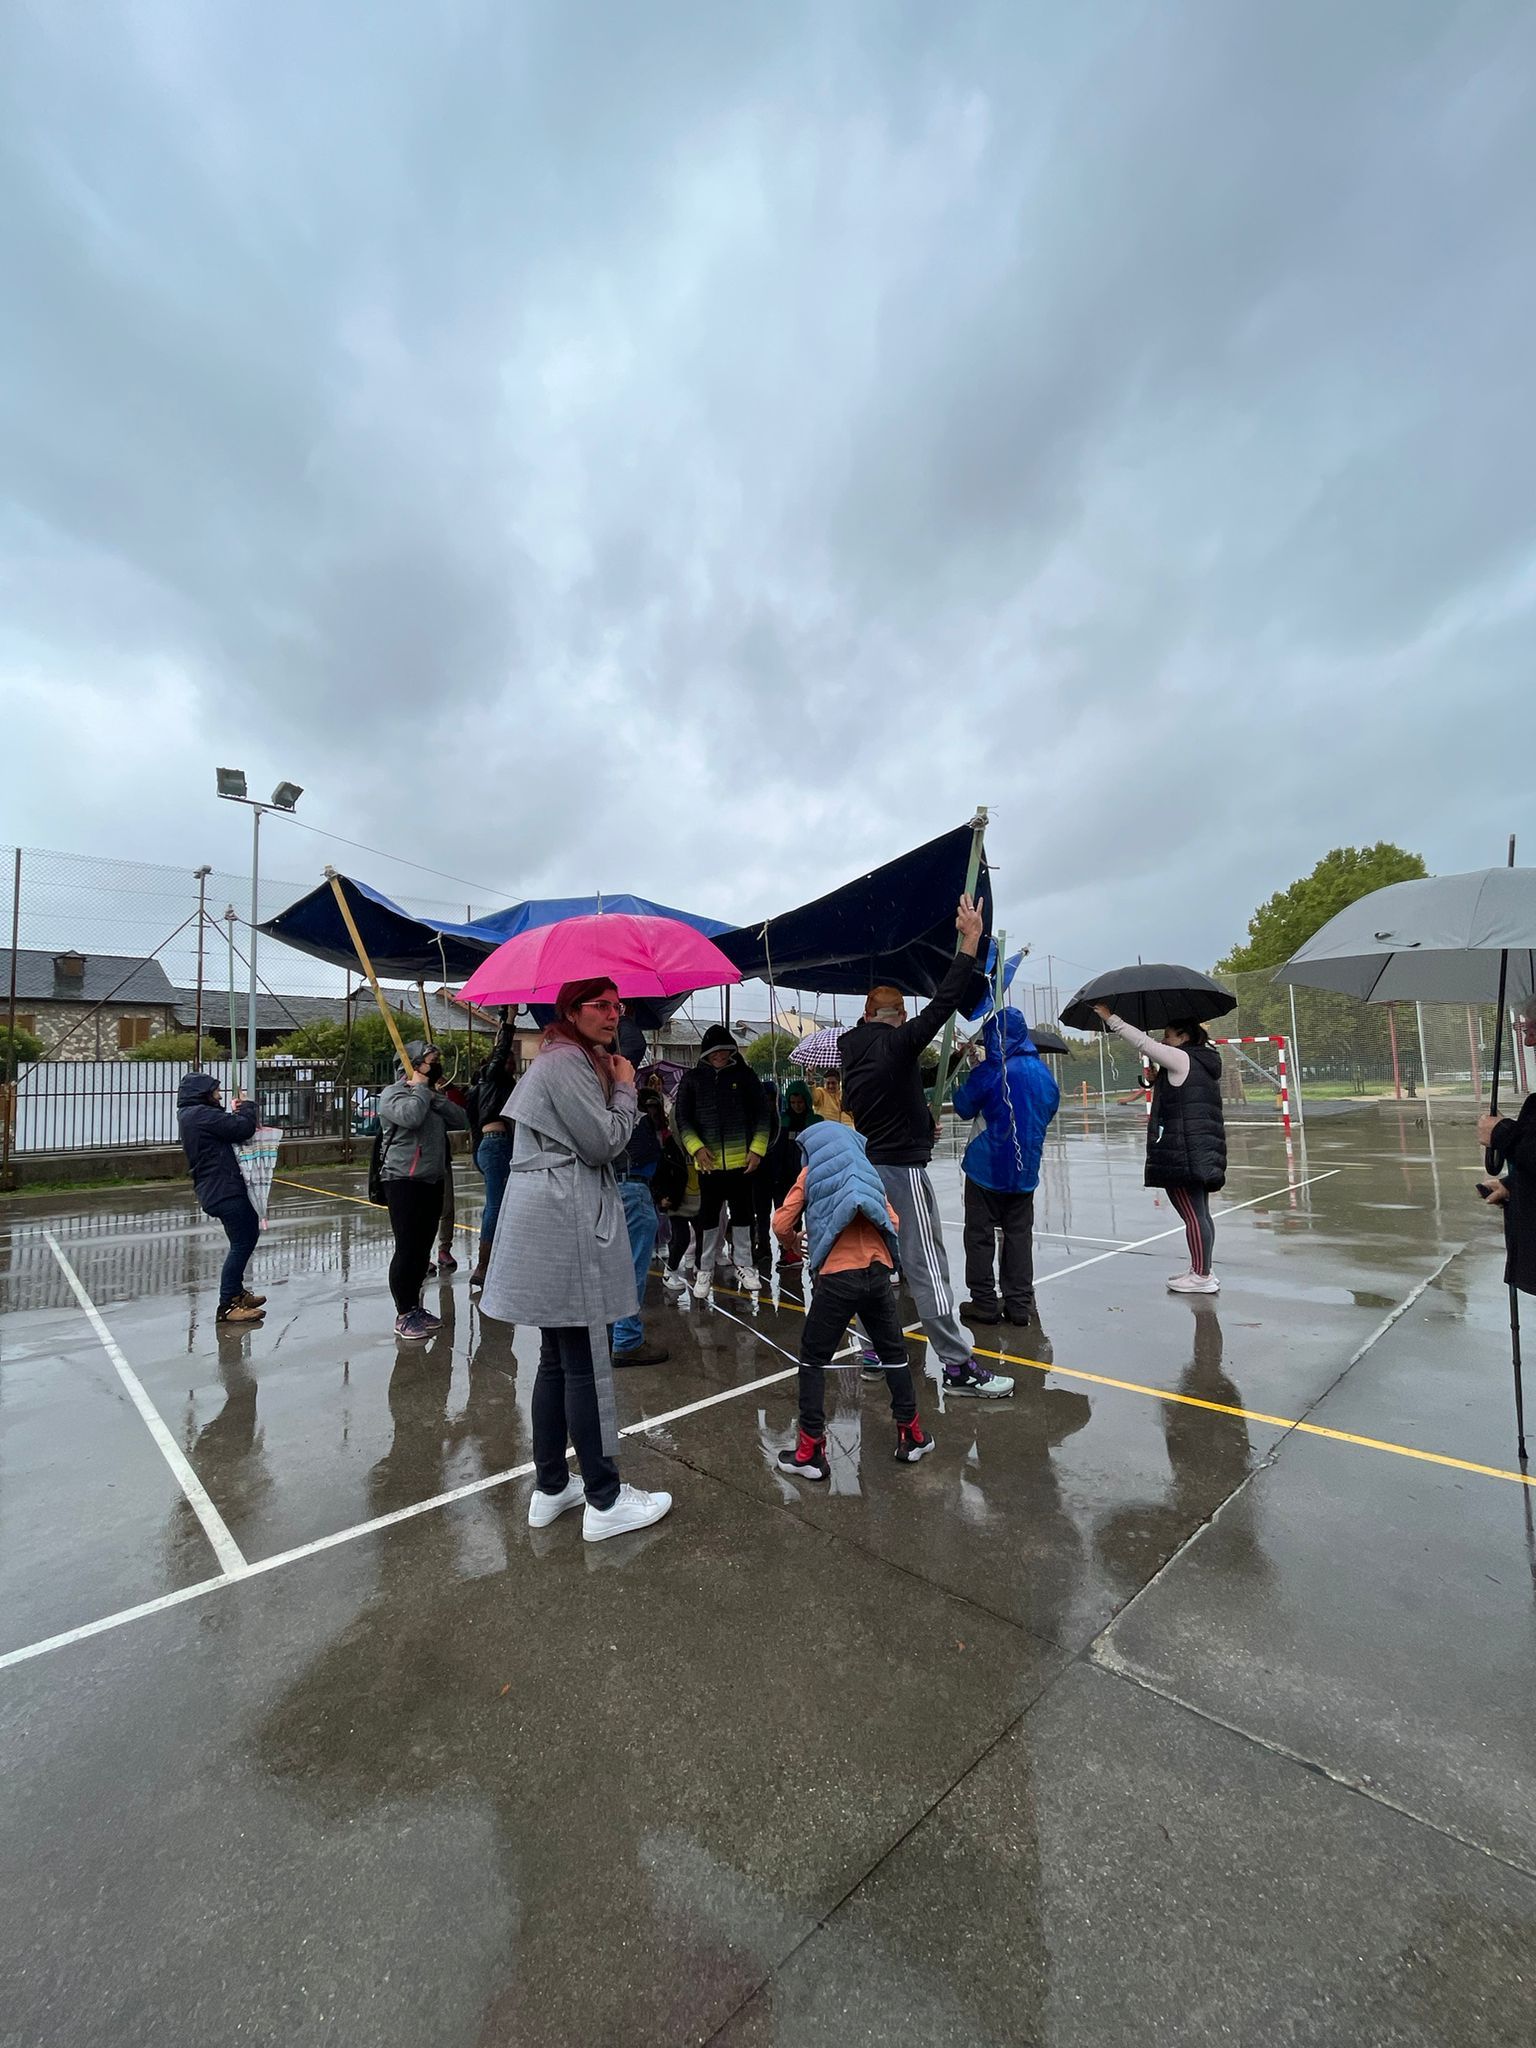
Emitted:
pixel 884 997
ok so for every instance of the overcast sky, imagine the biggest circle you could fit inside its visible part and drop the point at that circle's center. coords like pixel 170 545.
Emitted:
pixel 707 449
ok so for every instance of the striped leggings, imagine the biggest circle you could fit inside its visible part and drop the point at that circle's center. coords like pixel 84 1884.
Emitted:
pixel 1194 1208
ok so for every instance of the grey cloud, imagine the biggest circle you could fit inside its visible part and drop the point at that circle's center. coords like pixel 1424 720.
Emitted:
pixel 745 438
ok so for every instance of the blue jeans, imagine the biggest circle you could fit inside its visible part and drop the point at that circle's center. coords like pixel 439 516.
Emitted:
pixel 493 1156
pixel 242 1226
pixel 640 1215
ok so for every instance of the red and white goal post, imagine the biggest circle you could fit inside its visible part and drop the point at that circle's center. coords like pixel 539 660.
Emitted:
pixel 1282 1077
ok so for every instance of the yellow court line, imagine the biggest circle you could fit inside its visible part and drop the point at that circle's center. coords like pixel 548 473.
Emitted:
pixel 362 1201
pixel 1100 1379
pixel 1338 1436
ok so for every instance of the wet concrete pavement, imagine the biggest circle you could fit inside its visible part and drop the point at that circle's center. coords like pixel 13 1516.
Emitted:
pixel 1119 1719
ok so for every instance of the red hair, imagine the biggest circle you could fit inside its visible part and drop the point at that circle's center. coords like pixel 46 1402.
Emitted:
pixel 561 1031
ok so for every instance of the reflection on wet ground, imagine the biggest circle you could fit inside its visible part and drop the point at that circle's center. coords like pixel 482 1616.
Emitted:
pixel 1128 1670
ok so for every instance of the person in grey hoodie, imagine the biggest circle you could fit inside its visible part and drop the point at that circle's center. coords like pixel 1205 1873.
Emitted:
pixel 415 1118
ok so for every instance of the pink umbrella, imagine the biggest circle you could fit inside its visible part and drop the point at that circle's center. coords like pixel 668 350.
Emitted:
pixel 645 956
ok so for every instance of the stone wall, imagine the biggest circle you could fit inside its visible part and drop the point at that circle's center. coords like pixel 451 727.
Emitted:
pixel 98 1038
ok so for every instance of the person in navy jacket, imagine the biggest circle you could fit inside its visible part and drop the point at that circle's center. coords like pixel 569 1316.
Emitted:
pixel 209 1134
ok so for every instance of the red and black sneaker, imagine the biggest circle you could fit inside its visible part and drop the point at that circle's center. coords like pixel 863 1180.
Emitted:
pixel 912 1442
pixel 808 1460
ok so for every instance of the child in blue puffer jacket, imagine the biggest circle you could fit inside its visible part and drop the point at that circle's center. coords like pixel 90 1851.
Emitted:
pixel 838 1217
pixel 1016 1095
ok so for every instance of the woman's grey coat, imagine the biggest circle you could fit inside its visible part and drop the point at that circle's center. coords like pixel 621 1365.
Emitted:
pixel 561 1256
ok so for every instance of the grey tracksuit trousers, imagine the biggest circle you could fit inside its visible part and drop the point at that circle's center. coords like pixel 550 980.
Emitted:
pixel 923 1264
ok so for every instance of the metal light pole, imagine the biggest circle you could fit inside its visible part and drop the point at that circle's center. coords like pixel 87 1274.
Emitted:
pixel 202 914
pixel 232 786
pixel 234 1044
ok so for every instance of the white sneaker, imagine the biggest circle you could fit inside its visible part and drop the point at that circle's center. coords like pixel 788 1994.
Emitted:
pixel 632 1510
pixel 1195 1283
pixel 673 1282
pixel 748 1276
pixel 702 1284
pixel 1185 1275
pixel 544 1508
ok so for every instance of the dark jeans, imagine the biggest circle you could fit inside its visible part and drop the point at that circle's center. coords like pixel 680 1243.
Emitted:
pixel 242 1226
pixel 838 1298
pixel 987 1212
pixel 493 1156
pixel 415 1207
pixel 565 1411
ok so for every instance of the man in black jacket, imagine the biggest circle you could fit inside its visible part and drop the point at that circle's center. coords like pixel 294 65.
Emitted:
pixel 883 1093
pixel 209 1135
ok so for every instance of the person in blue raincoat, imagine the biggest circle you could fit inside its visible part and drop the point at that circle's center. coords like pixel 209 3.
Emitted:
pixel 1015 1094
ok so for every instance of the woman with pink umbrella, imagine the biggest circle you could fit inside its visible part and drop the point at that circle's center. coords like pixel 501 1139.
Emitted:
pixel 562 1255
pixel 561 1258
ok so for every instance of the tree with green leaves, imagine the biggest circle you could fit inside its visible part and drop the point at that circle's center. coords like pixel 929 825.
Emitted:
pixel 1289 918
pixel 176 1045
pixel 18 1049
pixel 769 1050
pixel 1332 1029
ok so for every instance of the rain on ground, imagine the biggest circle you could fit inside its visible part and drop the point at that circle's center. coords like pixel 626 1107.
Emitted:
pixel 1176 1700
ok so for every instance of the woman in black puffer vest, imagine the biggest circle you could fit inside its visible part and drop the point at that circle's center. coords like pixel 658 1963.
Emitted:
pixel 1186 1136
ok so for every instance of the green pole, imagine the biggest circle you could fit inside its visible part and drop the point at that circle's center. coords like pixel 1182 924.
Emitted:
pixel 947 1039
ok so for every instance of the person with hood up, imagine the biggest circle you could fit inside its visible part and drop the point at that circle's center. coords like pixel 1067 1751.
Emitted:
pixel 722 1120
pixel 562 1259
pixel 1186 1135
pixel 1015 1094
pixel 415 1119
pixel 209 1134
pixel 848 1242
pixel 782 1166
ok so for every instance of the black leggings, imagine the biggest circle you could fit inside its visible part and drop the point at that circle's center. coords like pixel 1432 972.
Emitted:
pixel 837 1299
pixel 1194 1207
pixel 415 1207
pixel 565 1411
pixel 685 1236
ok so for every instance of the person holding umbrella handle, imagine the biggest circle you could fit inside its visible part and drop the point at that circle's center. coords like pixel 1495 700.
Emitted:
pixel 1186 1135
pixel 1510 1143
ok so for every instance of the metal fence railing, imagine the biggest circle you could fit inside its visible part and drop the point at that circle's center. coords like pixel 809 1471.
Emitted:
pixel 130 1105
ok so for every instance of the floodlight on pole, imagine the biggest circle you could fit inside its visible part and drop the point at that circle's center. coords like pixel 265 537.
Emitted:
pixel 232 785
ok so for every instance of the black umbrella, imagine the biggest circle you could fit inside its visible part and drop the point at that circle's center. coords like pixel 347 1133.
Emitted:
pixel 1149 995
pixel 1047 1040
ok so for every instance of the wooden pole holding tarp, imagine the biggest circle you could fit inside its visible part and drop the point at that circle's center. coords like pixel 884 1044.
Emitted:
pixel 367 966
pixel 947 1037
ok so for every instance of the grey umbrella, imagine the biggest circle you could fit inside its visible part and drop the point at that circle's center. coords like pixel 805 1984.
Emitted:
pixel 1440 940
pixel 1446 939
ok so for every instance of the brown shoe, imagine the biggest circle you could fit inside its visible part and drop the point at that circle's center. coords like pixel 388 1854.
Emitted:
pixel 237 1312
pixel 245 1299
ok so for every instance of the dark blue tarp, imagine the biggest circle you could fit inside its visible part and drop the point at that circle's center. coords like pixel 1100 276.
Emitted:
pixel 404 947
pixel 895 924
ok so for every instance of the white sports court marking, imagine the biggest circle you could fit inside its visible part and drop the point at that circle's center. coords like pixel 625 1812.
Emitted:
pixel 226 1549
pixel 1136 1244
pixel 239 1571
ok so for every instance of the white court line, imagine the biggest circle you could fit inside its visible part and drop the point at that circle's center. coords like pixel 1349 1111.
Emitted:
pixel 226 1549
pixel 1061 1236
pixel 474 1486
pixel 1157 1236
pixel 259 1566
